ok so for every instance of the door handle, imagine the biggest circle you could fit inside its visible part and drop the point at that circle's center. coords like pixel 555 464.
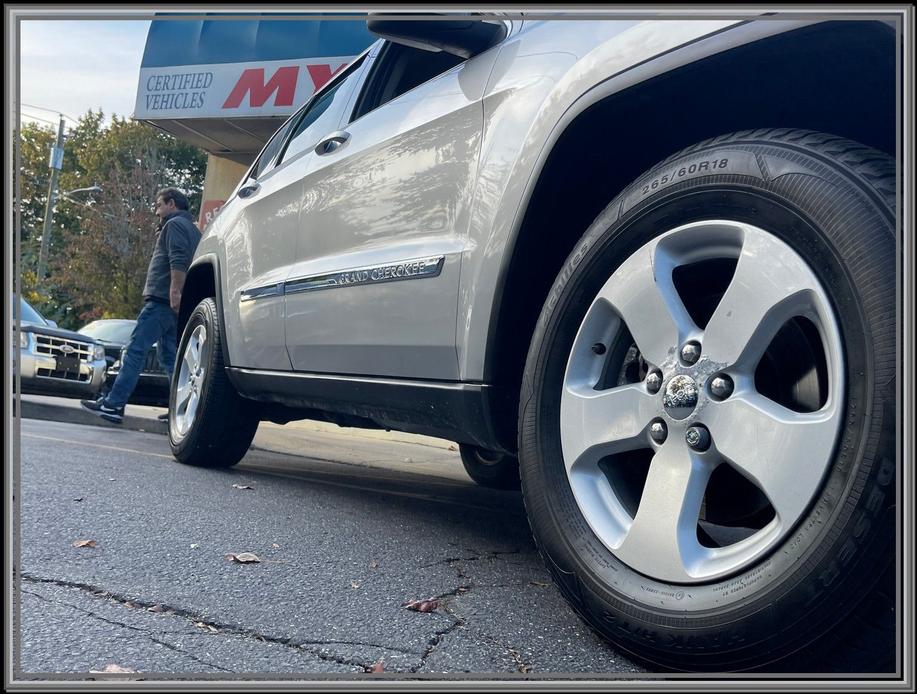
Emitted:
pixel 248 191
pixel 332 143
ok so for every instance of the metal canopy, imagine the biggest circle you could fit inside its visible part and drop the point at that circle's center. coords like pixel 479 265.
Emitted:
pixel 226 85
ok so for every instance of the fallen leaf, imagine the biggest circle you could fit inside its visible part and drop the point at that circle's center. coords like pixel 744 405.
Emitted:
pixel 112 479
pixel 129 604
pixel 374 564
pixel 156 608
pixel 354 584
pixel 85 543
pixel 79 498
pixel 195 545
pixel 378 666
pixel 539 584
pixel 202 625
pixel 111 667
pixel 244 558
pixel 275 545
pixel 453 448
pixel 241 486
pixel 428 605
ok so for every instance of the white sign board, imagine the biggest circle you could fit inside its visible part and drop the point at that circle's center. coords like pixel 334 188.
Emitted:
pixel 266 88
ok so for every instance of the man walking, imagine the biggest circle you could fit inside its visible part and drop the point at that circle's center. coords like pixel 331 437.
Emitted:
pixel 176 241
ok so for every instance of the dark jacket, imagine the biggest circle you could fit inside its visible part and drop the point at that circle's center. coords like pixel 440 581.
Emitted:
pixel 176 242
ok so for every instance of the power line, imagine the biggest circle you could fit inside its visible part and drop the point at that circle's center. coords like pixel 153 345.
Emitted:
pixel 50 110
pixel 43 120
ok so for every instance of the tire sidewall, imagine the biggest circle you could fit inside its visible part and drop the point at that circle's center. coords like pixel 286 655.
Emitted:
pixel 798 572
pixel 204 314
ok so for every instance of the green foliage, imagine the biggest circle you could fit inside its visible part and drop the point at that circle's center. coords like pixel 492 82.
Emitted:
pixel 100 243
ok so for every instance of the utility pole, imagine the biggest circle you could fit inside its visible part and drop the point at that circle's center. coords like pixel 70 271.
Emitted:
pixel 57 161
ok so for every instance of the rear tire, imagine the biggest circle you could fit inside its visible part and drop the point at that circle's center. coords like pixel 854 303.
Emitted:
pixel 792 591
pixel 210 424
pixel 489 468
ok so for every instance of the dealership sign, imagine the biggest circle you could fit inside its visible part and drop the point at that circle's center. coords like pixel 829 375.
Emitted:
pixel 267 88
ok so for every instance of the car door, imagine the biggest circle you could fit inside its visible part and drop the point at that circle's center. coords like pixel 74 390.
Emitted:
pixel 373 287
pixel 262 220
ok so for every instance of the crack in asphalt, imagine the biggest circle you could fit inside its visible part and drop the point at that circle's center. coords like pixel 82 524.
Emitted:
pixel 396 649
pixel 478 556
pixel 440 635
pixel 459 622
pixel 185 614
pixel 303 646
pixel 521 664
pixel 146 632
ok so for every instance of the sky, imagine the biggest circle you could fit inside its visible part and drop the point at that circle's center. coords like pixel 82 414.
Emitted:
pixel 73 66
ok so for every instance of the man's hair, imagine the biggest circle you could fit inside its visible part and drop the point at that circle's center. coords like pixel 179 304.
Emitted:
pixel 175 195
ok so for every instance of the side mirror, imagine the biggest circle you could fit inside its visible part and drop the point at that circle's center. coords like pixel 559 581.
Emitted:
pixel 462 37
pixel 50 322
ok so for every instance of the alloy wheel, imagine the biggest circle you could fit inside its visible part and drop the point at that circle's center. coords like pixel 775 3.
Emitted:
pixel 188 388
pixel 702 401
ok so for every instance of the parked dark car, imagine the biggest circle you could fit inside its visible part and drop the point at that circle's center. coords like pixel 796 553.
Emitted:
pixel 114 334
pixel 54 361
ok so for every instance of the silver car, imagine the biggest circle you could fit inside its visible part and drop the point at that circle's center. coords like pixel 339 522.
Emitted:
pixel 643 265
pixel 54 361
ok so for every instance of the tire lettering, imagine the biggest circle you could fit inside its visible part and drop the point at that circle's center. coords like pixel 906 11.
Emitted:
pixel 736 162
pixel 685 171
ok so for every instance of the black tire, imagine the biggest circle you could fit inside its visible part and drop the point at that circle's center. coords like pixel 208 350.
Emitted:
pixel 489 468
pixel 832 201
pixel 225 423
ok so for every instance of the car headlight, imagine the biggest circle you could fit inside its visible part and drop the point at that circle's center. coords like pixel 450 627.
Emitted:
pixel 23 340
pixel 98 352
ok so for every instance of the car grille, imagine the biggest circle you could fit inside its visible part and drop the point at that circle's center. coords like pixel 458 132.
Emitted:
pixel 52 346
pixel 65 375
pixel 152 363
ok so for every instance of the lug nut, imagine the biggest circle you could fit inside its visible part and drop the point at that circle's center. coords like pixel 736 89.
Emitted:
pixel 654 381
pixel 721 386
pixel 690 352
pixel 598 348
pixel 658 431
pixel 698 438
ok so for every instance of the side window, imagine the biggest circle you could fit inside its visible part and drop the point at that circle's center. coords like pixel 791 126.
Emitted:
pixel 269 153
pixel 322 114
pixel 399 69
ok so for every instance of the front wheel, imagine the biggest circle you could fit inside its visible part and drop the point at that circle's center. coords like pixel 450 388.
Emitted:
pixel 210 425
pixel 708 409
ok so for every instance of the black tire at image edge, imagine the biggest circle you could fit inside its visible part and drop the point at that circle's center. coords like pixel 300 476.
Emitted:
pixel 832 202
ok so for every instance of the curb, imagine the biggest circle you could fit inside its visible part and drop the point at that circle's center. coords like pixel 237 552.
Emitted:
pixel 77 415
pixel 69 414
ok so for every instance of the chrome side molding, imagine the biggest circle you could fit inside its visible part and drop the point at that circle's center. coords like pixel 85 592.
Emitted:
pixel 416 268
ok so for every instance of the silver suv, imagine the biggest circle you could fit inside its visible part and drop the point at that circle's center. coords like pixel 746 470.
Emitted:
pixel 54 361
pixel 645 267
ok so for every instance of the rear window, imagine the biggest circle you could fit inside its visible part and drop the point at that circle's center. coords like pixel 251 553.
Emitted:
pixel 110 331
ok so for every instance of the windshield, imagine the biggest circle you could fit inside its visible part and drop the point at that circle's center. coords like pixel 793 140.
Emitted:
pixel 109 330
pixel 29 314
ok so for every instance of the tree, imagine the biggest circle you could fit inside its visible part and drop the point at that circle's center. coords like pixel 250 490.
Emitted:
pixel 100 246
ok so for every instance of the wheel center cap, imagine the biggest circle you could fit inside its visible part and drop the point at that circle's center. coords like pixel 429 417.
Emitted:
pixel 680 397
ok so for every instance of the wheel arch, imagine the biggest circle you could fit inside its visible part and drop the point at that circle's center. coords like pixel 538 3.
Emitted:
pixel 202 282
pixel 836 77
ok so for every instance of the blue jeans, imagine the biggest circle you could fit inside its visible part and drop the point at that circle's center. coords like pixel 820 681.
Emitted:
pixel 156 322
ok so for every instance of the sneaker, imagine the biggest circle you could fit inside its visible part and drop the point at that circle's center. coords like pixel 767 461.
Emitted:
pixel 104 410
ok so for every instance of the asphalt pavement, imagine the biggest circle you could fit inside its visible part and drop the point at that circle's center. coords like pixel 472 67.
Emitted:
pixel 348 530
